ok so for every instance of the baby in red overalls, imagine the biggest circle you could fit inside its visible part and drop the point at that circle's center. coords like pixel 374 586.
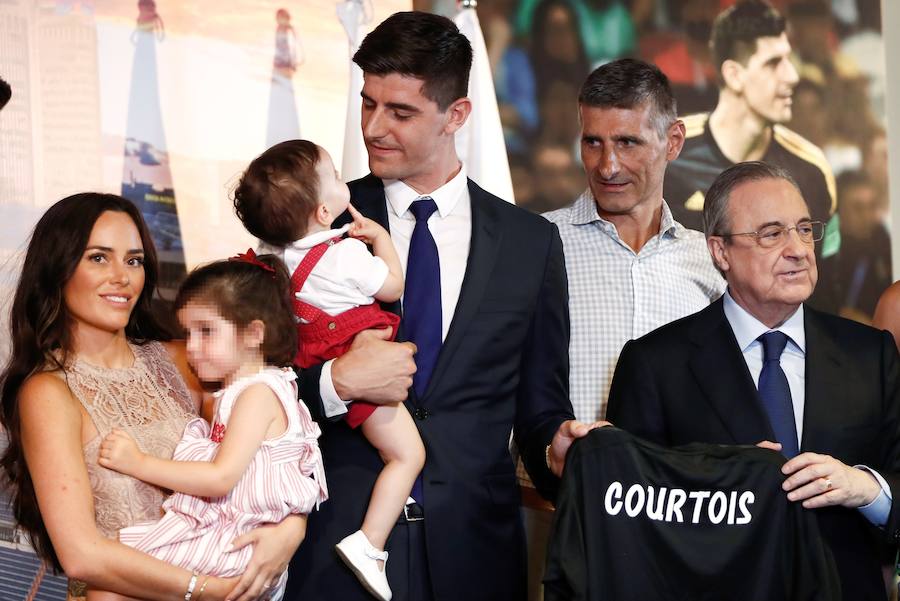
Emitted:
pixel 288 198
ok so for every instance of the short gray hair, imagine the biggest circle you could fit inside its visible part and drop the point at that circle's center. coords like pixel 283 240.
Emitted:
pixel 715 207
pixel 627 84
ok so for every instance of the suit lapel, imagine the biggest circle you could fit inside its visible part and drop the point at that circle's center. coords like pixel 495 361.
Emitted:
pixel 722 374
pixel 823 378
pixel 367 195
pixel 483 248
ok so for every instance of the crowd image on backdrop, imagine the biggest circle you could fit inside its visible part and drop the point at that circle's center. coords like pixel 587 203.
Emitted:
pixel 541 50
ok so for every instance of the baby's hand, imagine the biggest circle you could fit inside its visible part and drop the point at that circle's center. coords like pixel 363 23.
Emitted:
pixel 364 228
pixel 119 452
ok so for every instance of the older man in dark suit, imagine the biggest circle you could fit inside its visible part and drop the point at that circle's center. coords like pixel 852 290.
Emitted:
pixel 758 366
pixel 485 305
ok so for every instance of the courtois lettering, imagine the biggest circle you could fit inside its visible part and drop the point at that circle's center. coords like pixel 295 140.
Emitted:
pixel 673 504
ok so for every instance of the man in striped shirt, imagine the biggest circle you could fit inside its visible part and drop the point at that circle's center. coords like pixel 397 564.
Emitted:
pixel 631 266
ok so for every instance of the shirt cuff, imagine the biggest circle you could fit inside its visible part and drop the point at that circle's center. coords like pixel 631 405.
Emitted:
pixel 878 511
pixel 331 402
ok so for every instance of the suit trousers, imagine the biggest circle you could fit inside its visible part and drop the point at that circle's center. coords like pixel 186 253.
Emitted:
pixel 410 579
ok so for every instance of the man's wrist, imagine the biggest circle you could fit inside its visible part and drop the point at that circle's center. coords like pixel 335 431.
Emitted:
pixel 332 404
pixel 340 388
pixel 872 488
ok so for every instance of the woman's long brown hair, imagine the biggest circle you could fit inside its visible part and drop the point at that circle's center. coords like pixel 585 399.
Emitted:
pixel 40 329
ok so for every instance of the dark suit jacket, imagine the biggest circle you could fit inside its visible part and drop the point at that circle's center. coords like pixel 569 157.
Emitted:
pixel 688 382
pixel 503 367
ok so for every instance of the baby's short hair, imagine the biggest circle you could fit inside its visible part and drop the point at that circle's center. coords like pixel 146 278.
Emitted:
pixel 279 191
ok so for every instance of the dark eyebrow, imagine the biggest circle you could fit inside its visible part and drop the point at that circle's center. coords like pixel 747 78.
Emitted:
pixel 397 106
pixel 589 137
pixel 132 251
pixel 629 138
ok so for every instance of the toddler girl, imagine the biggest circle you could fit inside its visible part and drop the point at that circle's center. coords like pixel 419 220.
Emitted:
pixel 288 198
pixel 260 460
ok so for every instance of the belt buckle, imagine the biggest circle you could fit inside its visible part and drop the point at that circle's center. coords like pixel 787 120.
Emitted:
pixel 410 518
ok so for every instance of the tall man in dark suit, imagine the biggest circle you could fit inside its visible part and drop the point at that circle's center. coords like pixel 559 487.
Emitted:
pixel 485 305
pixel 758 366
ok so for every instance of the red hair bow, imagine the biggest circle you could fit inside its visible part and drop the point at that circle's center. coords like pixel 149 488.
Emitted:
pixel 250 257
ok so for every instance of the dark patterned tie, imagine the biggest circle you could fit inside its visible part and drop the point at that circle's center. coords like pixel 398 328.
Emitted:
pixel 422 305
pixel 775 393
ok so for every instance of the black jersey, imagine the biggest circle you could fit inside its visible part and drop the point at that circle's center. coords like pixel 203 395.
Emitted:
pixel 690 175
pixel 635 520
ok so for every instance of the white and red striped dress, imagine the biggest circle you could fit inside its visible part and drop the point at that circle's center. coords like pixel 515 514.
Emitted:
pixel 284 477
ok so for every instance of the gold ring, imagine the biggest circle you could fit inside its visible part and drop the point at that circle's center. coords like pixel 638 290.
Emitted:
pixel 828 484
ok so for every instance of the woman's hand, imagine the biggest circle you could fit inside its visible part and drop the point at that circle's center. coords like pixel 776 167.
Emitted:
pixel 216 589
pixel 274 547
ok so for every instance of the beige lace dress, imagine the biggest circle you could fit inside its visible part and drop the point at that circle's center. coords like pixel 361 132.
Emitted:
pixel 150 401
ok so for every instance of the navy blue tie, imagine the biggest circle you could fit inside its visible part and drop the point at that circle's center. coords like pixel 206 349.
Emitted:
pixel 422 295
pixel 775 393
pixel 422 305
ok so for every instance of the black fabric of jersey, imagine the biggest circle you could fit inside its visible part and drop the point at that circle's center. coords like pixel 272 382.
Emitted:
pixel 689 177
pixel 638 521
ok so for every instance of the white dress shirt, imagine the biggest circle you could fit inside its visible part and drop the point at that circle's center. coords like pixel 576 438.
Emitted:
pixel 451 227
pixel 347 276
pixel 746 330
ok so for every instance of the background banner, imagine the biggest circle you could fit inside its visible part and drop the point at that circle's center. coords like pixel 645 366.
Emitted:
pixel 165 103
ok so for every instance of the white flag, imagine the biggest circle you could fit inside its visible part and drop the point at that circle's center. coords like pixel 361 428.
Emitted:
pixel 354 15
pixel 479 143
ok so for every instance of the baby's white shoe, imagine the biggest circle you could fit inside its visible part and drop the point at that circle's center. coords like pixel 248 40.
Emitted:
pixel 361 557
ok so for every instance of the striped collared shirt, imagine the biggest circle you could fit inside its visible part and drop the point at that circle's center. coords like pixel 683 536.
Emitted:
pixel 616 295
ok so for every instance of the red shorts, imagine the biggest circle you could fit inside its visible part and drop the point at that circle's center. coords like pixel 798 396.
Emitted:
pixel 330 336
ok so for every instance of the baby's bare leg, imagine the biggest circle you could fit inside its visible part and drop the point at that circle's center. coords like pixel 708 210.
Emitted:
pixel 391 430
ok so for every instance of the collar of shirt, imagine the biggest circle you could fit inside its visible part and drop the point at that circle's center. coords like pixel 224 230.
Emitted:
pixel 307 242
pixel 747 328
pixel 399 196
pixel 584 211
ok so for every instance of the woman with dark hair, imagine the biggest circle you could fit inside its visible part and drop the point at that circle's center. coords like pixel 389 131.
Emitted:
pixel 89 356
